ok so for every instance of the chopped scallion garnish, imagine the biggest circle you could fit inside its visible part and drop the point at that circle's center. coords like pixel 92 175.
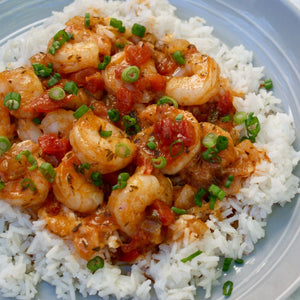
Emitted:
pixel 268 84
pixel 48 171
pixel 80 111
pixel 179 57
pixel 57 93
pixel 95 263
pixel 226 264
pixel 41 70
pixel 199 195
pixel 97 178
pixel 4 144
pixel 28 183
pixel 55 78
pixel 178 211
pixel 87 19
pixel 159 162
pixel 12 100
pixel 179 117
pixel 190 257
pixel 239 117
pixel 209 140
pixel 106 61
pixel 113 115
pixel 71 87
pixel 30 159
pixel 167 100
pixel 122 181
pixel 138 29
pixel 227 288
pixel 229 181
pixel 130 74
pixel 173 148
pixel 122 150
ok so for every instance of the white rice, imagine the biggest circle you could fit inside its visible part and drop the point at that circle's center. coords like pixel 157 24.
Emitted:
pixel 30 254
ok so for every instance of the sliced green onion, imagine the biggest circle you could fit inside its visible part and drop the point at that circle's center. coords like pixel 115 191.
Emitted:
pixel 167 100
pixel 30 159
pixel 55 78
pixel 179 57
pixel 216 191
pixel 95 263
pixel 106 61
pixel 71 87
pixel 190 257
pixel 105 133
pixel 131 126
pixel 2 185
pixel 159 163
pixel 229 181
pixel 87 19
pixel 58 40
pixel 239 261
pixel 268 84
pixel 120 45
pixel 177 142
pixel 81 111
pixel 82 167
pixel 122 150
pixel 97 178
pixel 115 23
pixel 221 143
pixel 37 121
pixel 138 30
pixel 28 183
pixel 41 70
pixel 130 74
pixel 226 118
pixel 178 211
pixel 210 155
pixel 57 93
pixel 179 117
pixel 151 145
pixel 5 144
pixel 122 181
pixel 227 288
pixel 12 100
pixel 199 195
pixel 48 171
pixel 113 115
pixel 226 264
pixel 252 126
pixel 209 140
pixel 212 201
pixel 239 117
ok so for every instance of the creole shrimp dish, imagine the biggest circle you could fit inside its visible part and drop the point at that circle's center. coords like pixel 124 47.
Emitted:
pixel 121 142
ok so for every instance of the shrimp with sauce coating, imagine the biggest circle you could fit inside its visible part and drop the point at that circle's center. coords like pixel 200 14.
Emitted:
pixel 72 188
pixel 22 187
pixel 104 154
pixel 128 205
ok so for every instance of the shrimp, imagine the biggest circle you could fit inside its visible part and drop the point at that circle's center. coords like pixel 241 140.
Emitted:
pixel 28 130
pixel 59 122
pixel 82 51
pixel 128 205
pixel 177 141
pixel 22 187
pixel 104 154
pixel 6 127
pixel 196 81
pixel 25 82
pixel 72 188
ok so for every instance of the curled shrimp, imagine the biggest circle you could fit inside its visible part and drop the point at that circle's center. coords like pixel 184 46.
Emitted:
pixel 25 82
pixel 6 127
pixel 128 205
pixel 177 141
pixel 22 187
pixel 104 154
pixel 59 121
pixel 195 82
pixel 28 130
pixel 82 51
pixel 73 188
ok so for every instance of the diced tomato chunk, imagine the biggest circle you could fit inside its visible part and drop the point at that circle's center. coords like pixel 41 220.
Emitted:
pixel 166 215
pixel 45 104
pixel 166 66
pixel 53 145
pixel 129 256
pixel 225 105
pixel 138 54
pixel 157 82
pixel 90 78
pixel 126 99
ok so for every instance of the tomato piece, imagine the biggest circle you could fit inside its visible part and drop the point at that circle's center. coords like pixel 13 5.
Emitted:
pixel 126 99
pixel 167 129
pixel 166 215
pixel 90 78
pixel 138 54
pixel 166 66
pixel 53 145
pixel 45 104
pixel 129 256
pixel 225 105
